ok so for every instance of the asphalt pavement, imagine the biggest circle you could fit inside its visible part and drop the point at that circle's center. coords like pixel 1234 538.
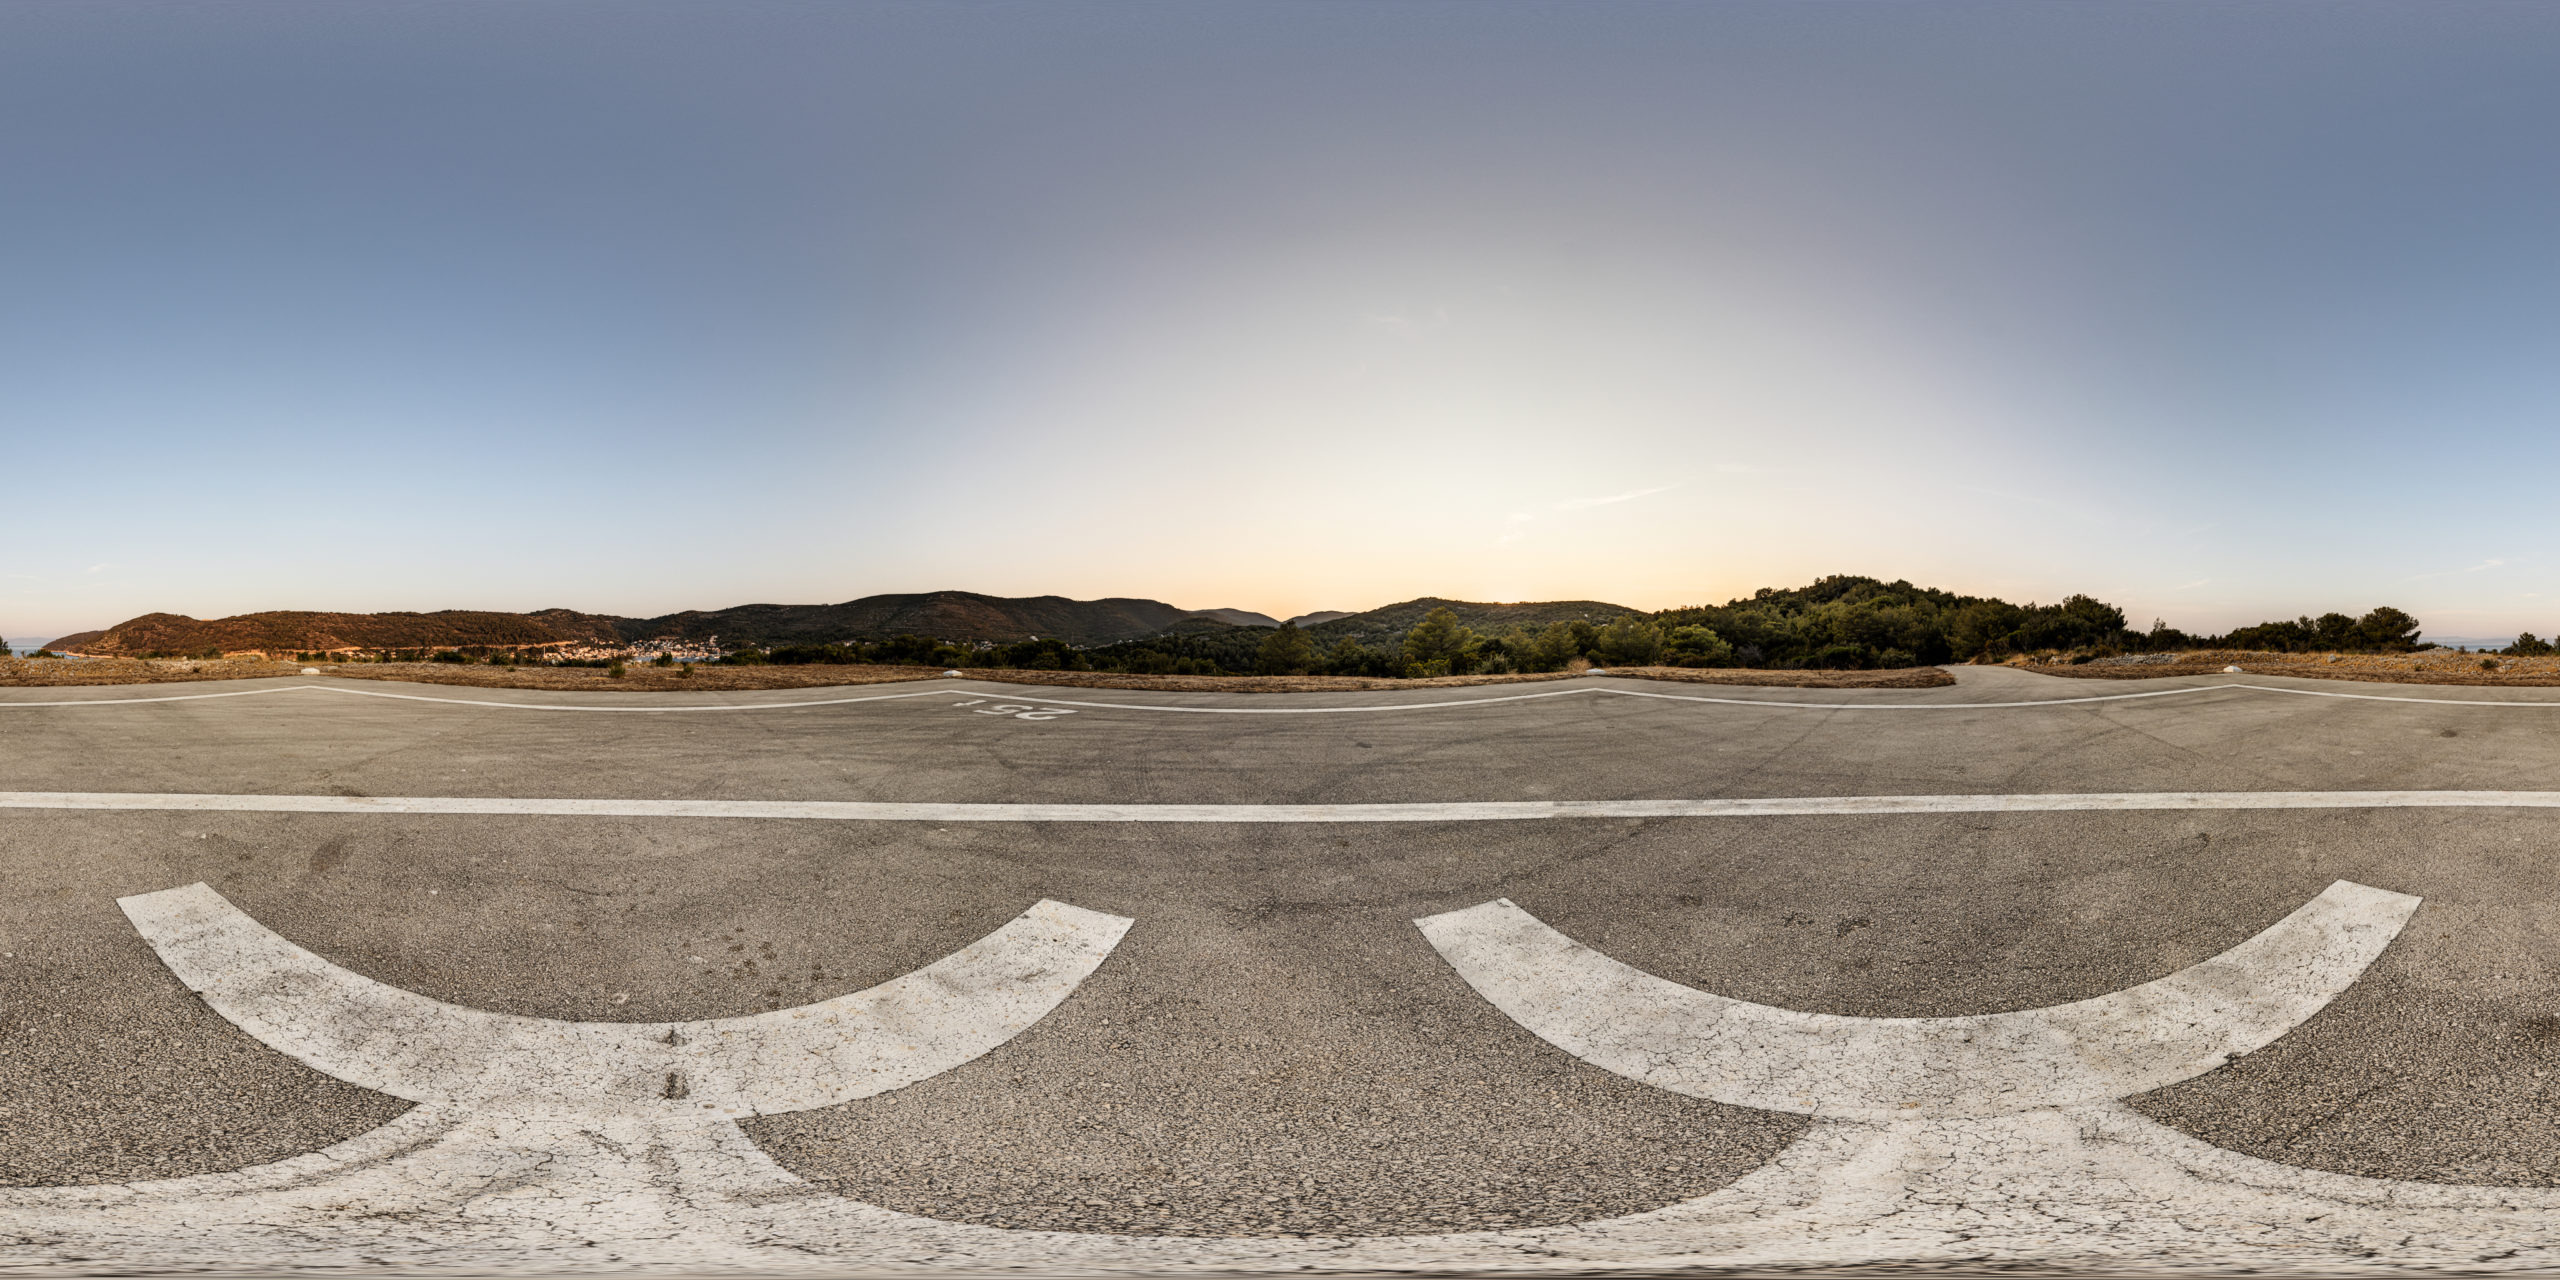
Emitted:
pixel 1275 1049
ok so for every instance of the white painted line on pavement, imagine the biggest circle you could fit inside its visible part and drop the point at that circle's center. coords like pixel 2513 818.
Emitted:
pixel 469 702
pixel 624 1129
pixel 818 1055
pixel 1174 709
pixel 1675 1037
pixel 135 702
pixel 1419 811
pixel 489 1177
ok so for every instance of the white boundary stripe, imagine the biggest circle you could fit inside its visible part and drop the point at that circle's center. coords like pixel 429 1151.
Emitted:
pixel 1423 811
pixel 1014 692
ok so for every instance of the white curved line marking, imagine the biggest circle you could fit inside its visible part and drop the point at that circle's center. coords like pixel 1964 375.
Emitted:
pixel 659 709
pixel 1414 811
pixel 2113 1046
pixel 518 1183
pixel 409 1046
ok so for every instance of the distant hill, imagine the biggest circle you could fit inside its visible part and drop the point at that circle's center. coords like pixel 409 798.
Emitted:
pixel 589 628
pixel 960 616
pixel 288 631
pixel 940 615
pixel 1238 617
pixel 1321 615
pixel 1379 624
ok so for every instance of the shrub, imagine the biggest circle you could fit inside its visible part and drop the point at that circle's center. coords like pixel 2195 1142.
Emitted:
pixel 1285 652
pixel 1695 647
pixel 1438 644
pixel 1835 657
pixel 615 671
pixel 1349 657
pixel 1629 641
pixel 1550 648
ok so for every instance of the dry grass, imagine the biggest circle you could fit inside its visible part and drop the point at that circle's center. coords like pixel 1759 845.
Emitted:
pixel 636 678
pixel 52 672
pixel 646 679
pixel 2435 666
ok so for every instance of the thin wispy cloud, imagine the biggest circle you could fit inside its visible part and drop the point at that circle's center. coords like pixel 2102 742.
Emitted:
pixel 1584 504
pixel 1405 324
pixel 2482 567
pixel 1516 524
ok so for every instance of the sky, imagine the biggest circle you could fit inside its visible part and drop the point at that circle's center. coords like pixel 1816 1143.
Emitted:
pixel 2218 311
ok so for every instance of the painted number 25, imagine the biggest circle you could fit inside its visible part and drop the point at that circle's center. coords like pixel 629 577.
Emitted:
pixel 1018 711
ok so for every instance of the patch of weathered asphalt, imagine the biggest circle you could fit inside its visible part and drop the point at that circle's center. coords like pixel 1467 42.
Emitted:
pixel 932 749
pixel 1273 1027
pixel 1277 1019
pixel 1276 1068
pixel 2442 1063
pixel 109 1069
pixel 116 1071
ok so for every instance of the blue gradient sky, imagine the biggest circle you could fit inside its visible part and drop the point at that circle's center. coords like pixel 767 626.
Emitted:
pixel 2218 311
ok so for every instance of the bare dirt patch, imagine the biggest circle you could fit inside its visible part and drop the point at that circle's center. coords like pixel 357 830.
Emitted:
pixel 2434 666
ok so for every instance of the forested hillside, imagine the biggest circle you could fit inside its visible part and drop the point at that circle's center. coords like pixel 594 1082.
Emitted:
pixel 1389 621
pixel 293 632
pixel 960 616
pixel 963 616
pixel 1836 622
